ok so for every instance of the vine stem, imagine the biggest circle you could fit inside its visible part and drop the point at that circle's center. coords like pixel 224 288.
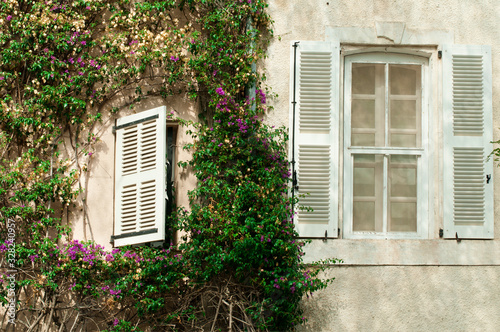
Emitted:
pixel 49 318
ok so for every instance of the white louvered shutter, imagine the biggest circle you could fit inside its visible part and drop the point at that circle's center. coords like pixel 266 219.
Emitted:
pixel 316 137
pixel 140 173
pixel 467 133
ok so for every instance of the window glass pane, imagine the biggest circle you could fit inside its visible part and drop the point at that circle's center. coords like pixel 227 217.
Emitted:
pixel 368 105
pixel 402 177
pixel 363 78
pixel 404 140
pixel 403 79
pixel 368 193
pixel 364 181
pixel 403 217
pixel 403 182
pixel 364 216
pixel 405 105
pixel 363 113
pixel 363 139
pixel 403 114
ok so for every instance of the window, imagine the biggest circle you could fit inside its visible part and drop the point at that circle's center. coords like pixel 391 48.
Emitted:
pixel 385 138
pixel 390 143
pixel 140 178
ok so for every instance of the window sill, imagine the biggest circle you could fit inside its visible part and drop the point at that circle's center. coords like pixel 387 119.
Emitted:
pixel 405 252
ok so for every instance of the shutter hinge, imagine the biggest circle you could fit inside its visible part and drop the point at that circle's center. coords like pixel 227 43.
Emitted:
pixel 338 232
pixel 326 236
pixel 441 232
pixel 456 237
pixel 113 130
pixel 440 54
pixel 488 178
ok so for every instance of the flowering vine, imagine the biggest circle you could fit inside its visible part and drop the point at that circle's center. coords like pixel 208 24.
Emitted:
pixel 66 65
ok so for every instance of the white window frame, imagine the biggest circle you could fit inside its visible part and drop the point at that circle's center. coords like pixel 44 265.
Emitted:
pixel 424 175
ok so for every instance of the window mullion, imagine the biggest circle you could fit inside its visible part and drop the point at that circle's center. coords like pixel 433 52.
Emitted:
pixel 386 144
pixel 386 105
pixel 385 195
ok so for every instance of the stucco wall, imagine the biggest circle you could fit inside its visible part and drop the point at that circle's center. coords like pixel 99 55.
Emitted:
pixel 399 285
pixel 402 298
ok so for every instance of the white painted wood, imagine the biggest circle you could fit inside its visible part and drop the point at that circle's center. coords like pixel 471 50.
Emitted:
pixel 140 172
pixel 316 137
pixel 467 133
pixel 420 151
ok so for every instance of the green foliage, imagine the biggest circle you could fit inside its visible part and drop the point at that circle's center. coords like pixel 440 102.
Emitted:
pixel 65 66
pixel 240 225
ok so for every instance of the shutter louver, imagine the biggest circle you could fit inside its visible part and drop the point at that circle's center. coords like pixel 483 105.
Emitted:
pixel 467 95
pixel 467 133
pixel 468 187
pixel 314 169
pixel 315 91
pixel 140 178
pixel 317 138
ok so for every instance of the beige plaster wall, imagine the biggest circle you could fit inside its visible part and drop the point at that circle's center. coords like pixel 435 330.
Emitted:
pixel 402 298
pixel 398 285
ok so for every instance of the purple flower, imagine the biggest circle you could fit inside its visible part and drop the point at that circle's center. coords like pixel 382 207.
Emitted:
pixel 9 18
pixel 84 42
pixel 114 292
pixel 220 91
pixel 174 59
pixel 1 78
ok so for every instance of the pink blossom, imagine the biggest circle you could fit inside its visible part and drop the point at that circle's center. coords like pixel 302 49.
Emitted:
pixel 9 18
